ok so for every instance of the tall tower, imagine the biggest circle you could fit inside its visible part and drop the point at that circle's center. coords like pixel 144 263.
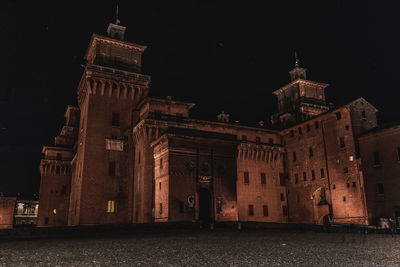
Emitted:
pixel 110 89
pixel 299 100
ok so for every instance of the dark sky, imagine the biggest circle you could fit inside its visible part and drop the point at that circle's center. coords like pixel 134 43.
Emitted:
pixel 220 57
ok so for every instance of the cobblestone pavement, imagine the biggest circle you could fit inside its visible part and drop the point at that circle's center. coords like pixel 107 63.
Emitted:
pixel 227 247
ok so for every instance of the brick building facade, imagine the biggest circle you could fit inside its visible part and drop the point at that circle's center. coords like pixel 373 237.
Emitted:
pixel 124 157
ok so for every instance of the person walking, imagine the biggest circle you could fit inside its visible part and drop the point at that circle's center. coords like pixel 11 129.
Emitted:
pixel 392 224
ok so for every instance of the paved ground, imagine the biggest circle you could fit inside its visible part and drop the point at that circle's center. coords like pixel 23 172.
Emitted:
pixel 227 247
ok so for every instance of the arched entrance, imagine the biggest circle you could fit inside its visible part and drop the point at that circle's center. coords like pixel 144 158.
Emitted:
pixel 204 205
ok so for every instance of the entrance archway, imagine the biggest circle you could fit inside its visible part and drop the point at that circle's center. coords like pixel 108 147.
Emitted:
pixel 204 205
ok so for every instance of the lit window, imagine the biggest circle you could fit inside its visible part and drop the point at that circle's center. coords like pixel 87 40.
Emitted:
pixel 351 158
pixel 111 206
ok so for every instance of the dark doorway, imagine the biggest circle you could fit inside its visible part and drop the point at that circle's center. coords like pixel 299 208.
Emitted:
pixel 204 206
pixel 397 218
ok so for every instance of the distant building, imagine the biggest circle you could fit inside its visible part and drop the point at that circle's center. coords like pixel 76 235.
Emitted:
pixel 123 157
pixel 26 210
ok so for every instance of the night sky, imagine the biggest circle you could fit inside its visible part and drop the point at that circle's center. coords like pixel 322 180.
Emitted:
pixel 219 57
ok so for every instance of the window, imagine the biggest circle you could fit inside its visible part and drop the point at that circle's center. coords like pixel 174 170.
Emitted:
pixel 341 142
pixel 263 178
pixel 345 170
pixel 57 169
pixel 251 210
pixel 296 178
pixel 265 210
pixel 159 186
pixel 354 184
pixel 300 131
pixel 258 140
pixel 380 189
pixel 59 156
pixel 308 127
pixel 322 173
pixel 298 198
pixel 310 152
pixel 363 115
pixel 291 133
pixel 160 210
pixel 63 190
pixel 181 207
pixel 244 138
pixel 312 175
pixel 111 206
pixel 334 186
pixel 270 141
pixel 282 197
pixel 294 156
pixel 139 157
pixel 246 178
pixel 46 220
pixel 347 127
pixel 114 137
pixel 398 153
pixel 377 161
pixel 161 165
pixel 347 184
pixel 115 119
pixel 111 168
pixel 304 176
pixel 338 115
pixel 316 125
pixel 284 210
pixel 344 199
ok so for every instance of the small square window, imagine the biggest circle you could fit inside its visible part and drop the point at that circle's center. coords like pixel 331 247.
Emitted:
pixel 347 127
pixel 344 199
pixel 354 184
pixel 333 186
pixel 348 185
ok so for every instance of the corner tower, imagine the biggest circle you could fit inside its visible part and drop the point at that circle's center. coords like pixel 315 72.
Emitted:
pixel 110 89
pixel 299 100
